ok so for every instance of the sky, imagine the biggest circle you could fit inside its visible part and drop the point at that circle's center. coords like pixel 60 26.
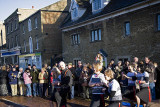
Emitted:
pixel 7 7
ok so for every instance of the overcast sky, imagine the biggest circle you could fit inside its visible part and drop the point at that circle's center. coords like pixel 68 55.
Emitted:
pixel 7 7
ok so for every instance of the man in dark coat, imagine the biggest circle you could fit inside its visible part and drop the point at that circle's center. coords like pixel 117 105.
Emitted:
pixel 65 85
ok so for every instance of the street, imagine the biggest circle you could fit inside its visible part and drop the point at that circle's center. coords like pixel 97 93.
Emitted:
pixel 21 101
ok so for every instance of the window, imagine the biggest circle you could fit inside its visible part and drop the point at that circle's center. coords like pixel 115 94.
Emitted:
pixel 29 25
pixel 7 29
pixel 75 12
pixel 11 27
pixel 75 39
pixel 1 38
pixel 12 42
pixel 96 4
pixel 8 44
pixel 16 40
pixel 127 28
pixel 30 45
pixel 15 24
pixel 158 22
pixel 37 43
pixel 96 35
pixel 23 29
pixel 35 23
pixel 24 46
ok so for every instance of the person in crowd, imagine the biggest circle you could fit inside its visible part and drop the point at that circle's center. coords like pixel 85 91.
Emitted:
pixel 143 94
pixel 3 81
pixel 43 80
pixel 84 78
pixel 13 75
pixel 72 69
pixel 157 85
pixel 111 65
pixel 28 80
pixel 8 69
pixel 136 61
pixel 131 90
pixel 17 67
pixel 55 76
pixel 149 67
pixel 118 71
pixel 34 74
pixel 29 66
pixel 21 81
pixel 65 85
pixel 96 82
pixel 114 89
pixel 99 58
pixel 47 84
pixel 77 75
pixel 125 67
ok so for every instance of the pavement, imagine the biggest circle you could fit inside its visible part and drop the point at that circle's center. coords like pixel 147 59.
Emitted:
pixel 21 101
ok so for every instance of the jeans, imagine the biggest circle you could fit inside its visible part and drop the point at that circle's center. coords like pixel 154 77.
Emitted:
pixel 29 93
pixel 152 88
pixel 35 89
pixel 72 92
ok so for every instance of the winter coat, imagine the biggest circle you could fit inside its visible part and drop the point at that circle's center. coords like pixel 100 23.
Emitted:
pixel 34 74
pixel 43 77
pixel 13 75
pixel 27 78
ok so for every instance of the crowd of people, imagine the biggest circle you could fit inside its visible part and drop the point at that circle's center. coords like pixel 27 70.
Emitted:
pixel 135 81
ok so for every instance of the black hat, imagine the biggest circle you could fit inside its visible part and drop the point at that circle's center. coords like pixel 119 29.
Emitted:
pixel 29 64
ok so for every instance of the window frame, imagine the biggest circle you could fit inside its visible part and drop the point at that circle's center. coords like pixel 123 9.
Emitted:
pixel 30 45
pixel 125 27
pixel 23 27
pixel 93 5
pixel 25 46
pixel 35 23
pixel 75 39
pixel 29 25
pixel 93 37
pixel 37 43
pixel 11 27
pixel 158 24
pixel 16 26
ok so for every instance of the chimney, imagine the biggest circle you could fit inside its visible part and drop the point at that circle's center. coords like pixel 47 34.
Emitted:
pixel 32 7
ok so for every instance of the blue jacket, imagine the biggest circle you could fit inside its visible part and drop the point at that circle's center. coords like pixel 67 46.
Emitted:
pixel 13 77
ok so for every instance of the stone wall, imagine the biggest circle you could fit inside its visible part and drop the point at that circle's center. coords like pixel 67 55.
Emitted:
pixel 143 41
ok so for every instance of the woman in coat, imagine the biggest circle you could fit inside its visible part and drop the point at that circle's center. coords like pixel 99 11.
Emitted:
pixel 3 81
pixel 27 80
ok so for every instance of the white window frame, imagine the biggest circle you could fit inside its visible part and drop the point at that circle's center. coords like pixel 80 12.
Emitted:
pixel 30 44
pixel 96 35
pixel 35 23
pixel 29 25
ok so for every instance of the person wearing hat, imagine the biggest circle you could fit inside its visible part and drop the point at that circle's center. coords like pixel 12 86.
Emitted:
pixel 13 76
pixel 34 74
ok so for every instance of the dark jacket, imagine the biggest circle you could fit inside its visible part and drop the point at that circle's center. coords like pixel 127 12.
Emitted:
pixel 66 78
pixel 34 74
pixel 149 67
pixel 3 77
pixel 13 75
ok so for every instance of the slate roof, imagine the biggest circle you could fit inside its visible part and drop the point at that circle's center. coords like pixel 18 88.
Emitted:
pixel 111 7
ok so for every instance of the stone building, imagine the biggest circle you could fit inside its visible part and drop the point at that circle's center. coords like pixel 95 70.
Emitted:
pixel 40 35
pixel 122 29
pixel 12 29
pixel 2 34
